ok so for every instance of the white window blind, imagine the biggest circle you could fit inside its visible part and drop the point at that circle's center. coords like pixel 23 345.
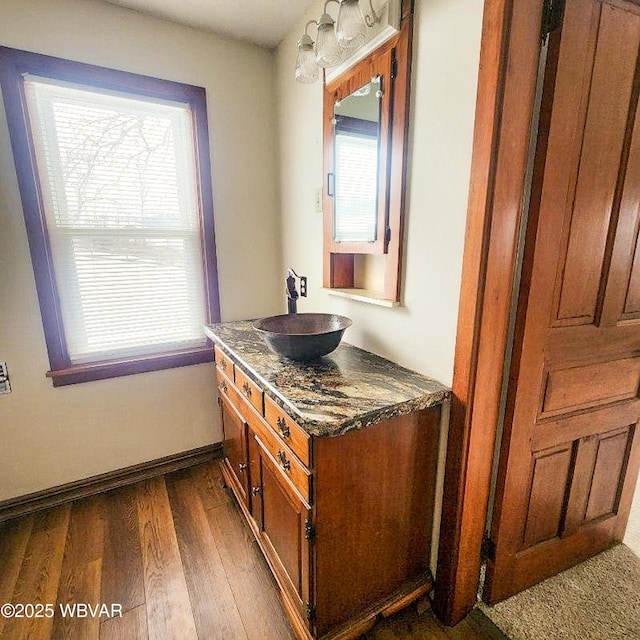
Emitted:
pixel 356 181
pixel 119 188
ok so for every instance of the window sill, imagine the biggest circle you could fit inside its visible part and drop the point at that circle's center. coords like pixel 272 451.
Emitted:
pixel 117 368
pixel 364 295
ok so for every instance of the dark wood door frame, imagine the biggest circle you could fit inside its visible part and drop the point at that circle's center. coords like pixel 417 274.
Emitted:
pixel 509 56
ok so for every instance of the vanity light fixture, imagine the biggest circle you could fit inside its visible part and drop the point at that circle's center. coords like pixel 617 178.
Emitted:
pixel 328 52
pixel 306 66
pixel 352 31
pixel 334 41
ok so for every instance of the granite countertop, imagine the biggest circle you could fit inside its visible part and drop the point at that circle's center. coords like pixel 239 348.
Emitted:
pixel 348 389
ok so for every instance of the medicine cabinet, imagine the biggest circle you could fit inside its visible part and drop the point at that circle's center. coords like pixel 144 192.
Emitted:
pixel 366 113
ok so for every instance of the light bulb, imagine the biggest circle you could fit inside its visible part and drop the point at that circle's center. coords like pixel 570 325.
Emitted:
pixel 328 53
pixel 306 65
pixel 351 30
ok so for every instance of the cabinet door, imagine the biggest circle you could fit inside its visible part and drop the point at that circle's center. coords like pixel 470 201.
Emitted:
pixel 283 526
pixel 234 429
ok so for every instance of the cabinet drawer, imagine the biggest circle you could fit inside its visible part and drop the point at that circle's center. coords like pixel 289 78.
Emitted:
pixel 288 430
pixel 223 362
pixel 249 390
pixel 286 463
pixel 227 389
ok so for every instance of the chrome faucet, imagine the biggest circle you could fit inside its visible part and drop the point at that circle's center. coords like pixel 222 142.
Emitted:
pixel 292 294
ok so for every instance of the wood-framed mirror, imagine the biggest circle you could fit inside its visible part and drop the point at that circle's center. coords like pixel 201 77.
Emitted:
pixel 357 181
pixel 365 139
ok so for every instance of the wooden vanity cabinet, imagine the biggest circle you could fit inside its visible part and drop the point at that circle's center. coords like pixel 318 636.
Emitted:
pixel 344 521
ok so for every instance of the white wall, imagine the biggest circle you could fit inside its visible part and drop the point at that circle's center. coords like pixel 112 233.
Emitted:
pixel 632 534
pixel 420 334
pixel 52 436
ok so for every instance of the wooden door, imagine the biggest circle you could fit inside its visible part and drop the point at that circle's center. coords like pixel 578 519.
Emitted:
pixel 570 450
pixel 234 428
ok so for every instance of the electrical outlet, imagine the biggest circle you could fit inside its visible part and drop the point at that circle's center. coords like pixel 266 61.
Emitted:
pixel 319 200
pixel 5 385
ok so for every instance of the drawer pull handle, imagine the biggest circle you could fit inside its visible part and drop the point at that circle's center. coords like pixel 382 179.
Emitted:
pixel 223 364
pixel 283 428
pixel 247 389
pixel 223 387
pixel 255 491
pixel 284 463
pixel 242 467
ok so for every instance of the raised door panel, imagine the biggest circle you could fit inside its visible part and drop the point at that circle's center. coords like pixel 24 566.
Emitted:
pixel 575 484
pixel 608 474
pixel 234 430
pixel 581 387
pixel 581 271
pixel 549 479
pixel 622 300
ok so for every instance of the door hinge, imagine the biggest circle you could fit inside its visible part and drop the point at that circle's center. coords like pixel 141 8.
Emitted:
pixel 311 612
pixel 387 235
pixel 394 68
pixel 488 548
pixel 309 530
pixel 551 18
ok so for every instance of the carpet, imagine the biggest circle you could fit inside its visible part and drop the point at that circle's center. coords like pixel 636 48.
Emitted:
pixel 596 600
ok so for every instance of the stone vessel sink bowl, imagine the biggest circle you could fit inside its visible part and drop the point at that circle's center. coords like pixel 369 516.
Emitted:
pixel 302 336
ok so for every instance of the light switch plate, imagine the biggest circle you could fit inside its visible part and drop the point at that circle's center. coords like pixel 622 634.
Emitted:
pixel 5 385
pixel 319 200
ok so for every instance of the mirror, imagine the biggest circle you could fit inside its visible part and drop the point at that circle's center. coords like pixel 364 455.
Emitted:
pixel 356 147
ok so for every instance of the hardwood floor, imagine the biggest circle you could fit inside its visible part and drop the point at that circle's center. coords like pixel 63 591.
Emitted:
pixel 175 553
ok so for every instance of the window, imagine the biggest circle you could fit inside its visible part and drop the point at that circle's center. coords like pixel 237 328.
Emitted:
pixel 115 182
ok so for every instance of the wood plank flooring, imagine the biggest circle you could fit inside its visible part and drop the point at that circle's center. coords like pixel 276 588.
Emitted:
pixel 175 553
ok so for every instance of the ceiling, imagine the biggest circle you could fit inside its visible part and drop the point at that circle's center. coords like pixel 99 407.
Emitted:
pixel 262 22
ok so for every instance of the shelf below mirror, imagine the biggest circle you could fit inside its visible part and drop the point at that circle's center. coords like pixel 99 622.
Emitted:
pixel 363 295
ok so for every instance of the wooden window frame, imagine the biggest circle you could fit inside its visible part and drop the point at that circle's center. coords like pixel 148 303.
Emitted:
pixel 14 64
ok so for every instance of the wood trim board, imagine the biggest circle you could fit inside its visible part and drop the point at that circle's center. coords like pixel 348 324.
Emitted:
pixel 61 494
pixel 509 57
